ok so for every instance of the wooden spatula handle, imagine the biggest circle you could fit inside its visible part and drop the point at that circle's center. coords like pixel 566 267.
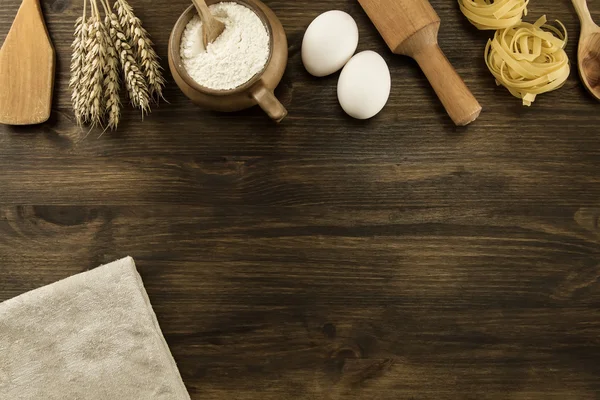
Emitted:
pixel 458 100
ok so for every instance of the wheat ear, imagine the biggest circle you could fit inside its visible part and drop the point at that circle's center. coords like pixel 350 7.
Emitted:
pixel 142 46
pixel 135 81
pixel 111 84
pixel 77 63
pixel 93 70
pixel 125 13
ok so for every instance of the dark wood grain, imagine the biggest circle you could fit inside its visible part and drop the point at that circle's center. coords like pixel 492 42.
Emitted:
pixel 326 258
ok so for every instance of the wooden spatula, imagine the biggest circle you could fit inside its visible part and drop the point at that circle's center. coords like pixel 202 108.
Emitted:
pixel 26 69
pixel 410 27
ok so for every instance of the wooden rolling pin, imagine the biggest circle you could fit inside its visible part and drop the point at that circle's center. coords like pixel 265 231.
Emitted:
pixel 410 27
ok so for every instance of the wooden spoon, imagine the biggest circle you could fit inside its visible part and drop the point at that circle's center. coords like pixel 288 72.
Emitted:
pixel 589 49
pixel 211 27
pixel 26 69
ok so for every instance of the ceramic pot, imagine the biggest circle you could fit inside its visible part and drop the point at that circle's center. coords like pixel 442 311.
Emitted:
pixel 258 90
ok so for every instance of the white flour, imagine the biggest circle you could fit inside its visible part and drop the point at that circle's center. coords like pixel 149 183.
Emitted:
pixel 239 53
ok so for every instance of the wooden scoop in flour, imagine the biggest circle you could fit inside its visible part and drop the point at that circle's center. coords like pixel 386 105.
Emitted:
pixel 410 27
pixel 26 69
pixel 211 27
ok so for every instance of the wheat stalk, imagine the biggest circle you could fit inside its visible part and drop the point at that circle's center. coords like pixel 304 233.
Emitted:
pixel 77 65
pixel 142 45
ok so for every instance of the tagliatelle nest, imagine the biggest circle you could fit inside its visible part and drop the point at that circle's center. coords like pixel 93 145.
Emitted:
pixel 529 59
pixel 494 14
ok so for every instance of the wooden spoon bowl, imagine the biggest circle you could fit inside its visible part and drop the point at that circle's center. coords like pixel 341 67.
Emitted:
pixel 589 49
pixel 589 63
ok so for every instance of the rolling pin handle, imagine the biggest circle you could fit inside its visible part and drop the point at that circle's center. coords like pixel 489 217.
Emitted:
pixel 459 102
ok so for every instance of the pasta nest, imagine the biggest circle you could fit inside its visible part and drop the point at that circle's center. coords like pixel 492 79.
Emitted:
pixel 494 14
pixel 529 59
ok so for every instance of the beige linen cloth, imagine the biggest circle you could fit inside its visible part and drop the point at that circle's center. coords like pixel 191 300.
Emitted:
pixel 93 336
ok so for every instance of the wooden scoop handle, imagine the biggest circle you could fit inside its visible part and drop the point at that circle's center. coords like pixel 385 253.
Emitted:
pixel 211 27
pixel 457 99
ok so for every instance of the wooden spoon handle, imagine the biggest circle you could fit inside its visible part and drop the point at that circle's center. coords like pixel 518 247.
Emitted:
pixel 584 15
pixel 458 100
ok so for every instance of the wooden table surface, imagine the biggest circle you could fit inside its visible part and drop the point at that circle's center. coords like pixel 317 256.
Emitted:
pixel 329 258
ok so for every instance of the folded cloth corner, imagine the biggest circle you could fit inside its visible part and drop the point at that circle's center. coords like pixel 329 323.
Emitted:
pixel 92 336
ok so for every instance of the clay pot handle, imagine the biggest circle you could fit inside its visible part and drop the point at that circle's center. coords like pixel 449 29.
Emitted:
pixel 268 102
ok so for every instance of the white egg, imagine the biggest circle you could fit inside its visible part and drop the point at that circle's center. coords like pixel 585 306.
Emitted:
pixel 329 42
pixel 364 85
